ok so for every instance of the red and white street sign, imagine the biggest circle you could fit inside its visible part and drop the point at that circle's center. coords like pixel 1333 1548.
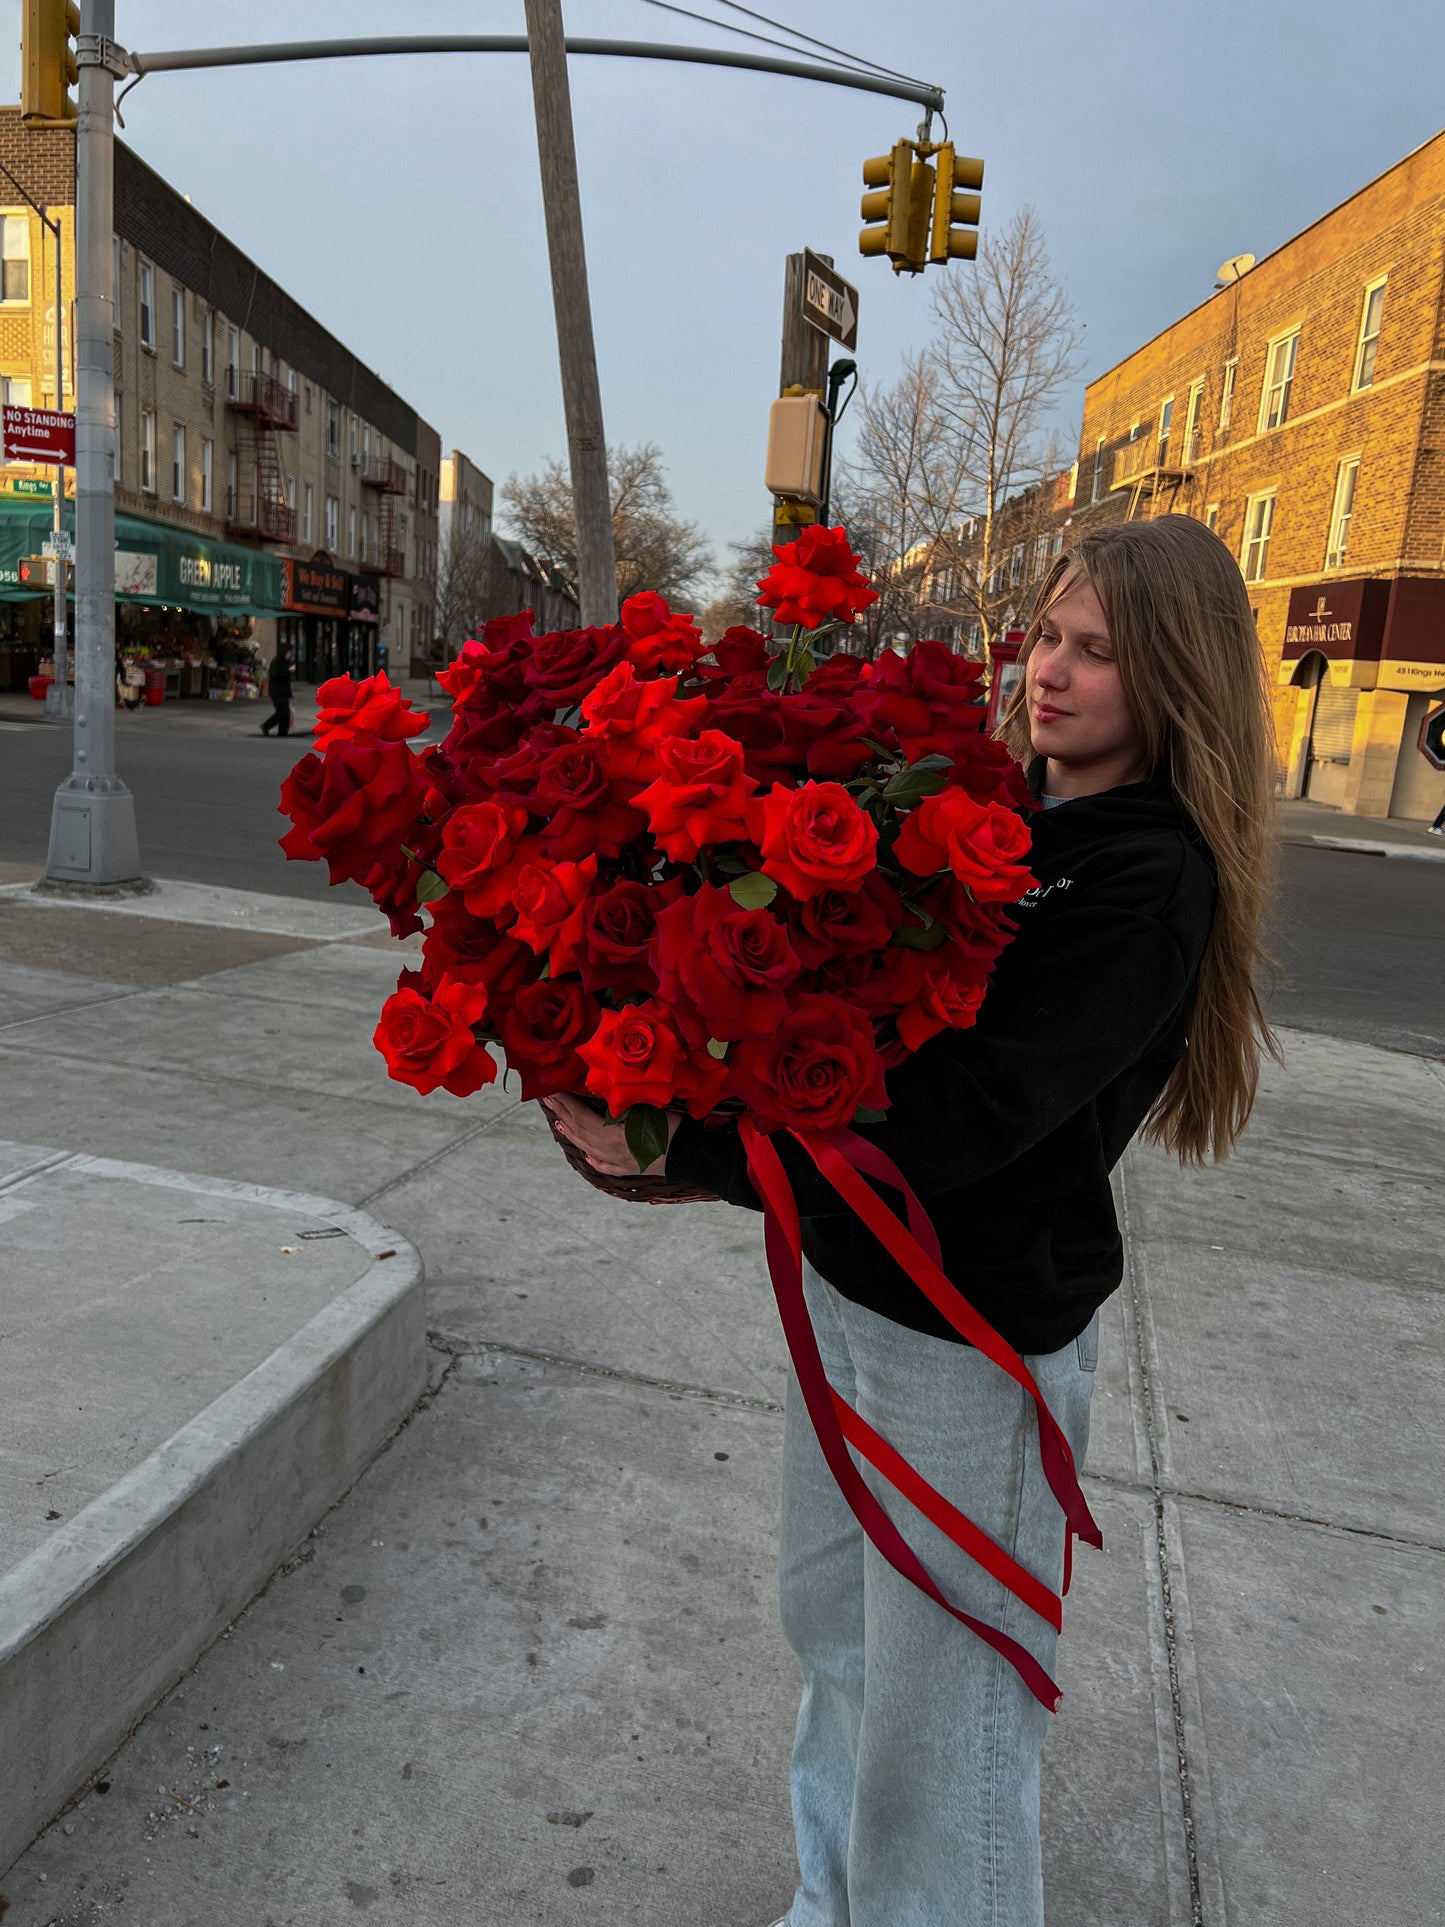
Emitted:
pixel 38 435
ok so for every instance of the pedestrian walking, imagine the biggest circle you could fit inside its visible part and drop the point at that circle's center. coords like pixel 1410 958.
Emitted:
pixel 1437 828
pixel 1125 1001
pixel 278 687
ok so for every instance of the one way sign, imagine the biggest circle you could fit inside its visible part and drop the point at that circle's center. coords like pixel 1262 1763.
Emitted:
pixel 829 302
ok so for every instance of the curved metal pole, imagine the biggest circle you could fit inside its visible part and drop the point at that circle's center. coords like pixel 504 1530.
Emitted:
pixel 182 59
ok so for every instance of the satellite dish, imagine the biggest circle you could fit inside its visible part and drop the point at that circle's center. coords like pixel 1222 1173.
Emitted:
pixel 1233 269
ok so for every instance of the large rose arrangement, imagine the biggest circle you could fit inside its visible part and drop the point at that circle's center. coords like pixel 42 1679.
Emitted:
pixel 672 876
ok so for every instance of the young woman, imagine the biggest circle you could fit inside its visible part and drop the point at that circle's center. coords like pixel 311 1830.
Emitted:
pixel 1126 999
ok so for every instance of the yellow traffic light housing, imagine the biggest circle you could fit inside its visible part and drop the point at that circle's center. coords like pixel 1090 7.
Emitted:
pixel 48 65
pixel 889 207
pixel 956 209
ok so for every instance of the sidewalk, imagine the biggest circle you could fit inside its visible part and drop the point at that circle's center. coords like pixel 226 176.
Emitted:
pixel 529 1669
pixel 239 718
pixel 1394 836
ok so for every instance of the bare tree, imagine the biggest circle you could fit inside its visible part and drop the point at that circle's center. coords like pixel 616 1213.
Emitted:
pixel 736 602
pixel 956 457
pixel 656 549
pixel 463 571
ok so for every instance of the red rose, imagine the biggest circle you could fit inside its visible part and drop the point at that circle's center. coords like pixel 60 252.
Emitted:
pixel 658 638
pixel 500 643
pixel 783 734
pixel 568 665
pixel 839 923
pixel 541 1034
pixel 813 1072
pixel 722 969
pixel 838 676
pixel 737 652
pixel 550 906
pixel 979 930
pixel 816 580
pixel 428 1042
pixel 875 983
pixel 354 806
pixel 637 1057
pixel 628 719
pixel 814 838
pixel 574 790
pixel 926 700
pixel 618 925
pixel 347 710
pixel 947 999
pixel 983 844
pixel 700 795
pixel 393 890
pixel 474 951
pixel 477 839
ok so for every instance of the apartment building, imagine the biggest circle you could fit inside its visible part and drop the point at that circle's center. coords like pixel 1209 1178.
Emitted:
pixel 1300 413
pixel 254 449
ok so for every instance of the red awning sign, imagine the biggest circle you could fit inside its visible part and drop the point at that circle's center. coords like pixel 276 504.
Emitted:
pixel 38 435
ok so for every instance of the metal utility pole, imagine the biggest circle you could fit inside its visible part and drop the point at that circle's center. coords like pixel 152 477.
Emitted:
pixel 61 641
pixel 92 825
pixel 581 394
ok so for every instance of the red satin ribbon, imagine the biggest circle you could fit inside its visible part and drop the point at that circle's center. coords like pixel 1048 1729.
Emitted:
pixel 837 1425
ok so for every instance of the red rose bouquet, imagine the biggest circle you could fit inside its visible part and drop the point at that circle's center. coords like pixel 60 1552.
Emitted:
pixel 737 879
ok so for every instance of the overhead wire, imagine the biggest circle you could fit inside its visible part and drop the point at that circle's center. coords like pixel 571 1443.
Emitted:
pixel 858 63
pixel 858 60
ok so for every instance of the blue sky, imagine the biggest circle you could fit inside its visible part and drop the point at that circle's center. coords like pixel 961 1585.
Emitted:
pixel 399 200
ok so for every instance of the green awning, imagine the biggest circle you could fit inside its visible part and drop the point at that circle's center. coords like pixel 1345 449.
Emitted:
pixel 156 564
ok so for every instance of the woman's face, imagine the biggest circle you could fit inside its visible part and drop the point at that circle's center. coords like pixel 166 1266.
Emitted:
pixel 1078 715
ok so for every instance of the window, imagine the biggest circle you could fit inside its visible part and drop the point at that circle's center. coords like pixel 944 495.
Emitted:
pixel 1346 476
pixel 1369 333
pixel 148 450
pixel 178 462
pixel 1135 430
pixel 333 428
pixel 1211 518
pixel 115 282
pixel 1166 425
pixel 1258 522
pixel 15 390
pixel 355 431
pixel 351 531
pixel 291 497
pixel 208 348
pixel 291 382
pixel 333 512
pixel 1226 398
pixel 306 515
pixel 1041 554
pixel 208 471
pixel 147 305
pixel 178 327
pixel 1098 470
pixel 255 366
pixel 1194 423
pixel 15 272
pixel 366 443
pixel 233 363
pixel 366 535
pixel 1015 562
pixel 1278 380
pixel 233 486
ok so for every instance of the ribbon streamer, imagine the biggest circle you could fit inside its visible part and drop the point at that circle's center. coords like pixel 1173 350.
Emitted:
pixel 841 1159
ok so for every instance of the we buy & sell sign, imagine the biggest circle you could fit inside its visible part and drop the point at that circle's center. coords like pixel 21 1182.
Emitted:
pixel 38 435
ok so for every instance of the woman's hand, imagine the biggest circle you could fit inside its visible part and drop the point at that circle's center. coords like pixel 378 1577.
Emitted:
pixel 603 1145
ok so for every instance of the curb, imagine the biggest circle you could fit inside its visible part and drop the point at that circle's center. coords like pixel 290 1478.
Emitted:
pixel 1362 847
pixel 97 1625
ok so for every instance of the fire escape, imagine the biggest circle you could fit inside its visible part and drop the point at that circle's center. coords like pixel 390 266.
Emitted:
pixel 264 409
pixel 388 478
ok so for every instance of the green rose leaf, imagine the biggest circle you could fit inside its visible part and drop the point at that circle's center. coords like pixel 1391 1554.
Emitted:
pixel 778 672
pixel 933 762
pixel 646 1130
pixel 752 892
pixel 912 937
pixel 716 1048
pixel 430 887
pixel 913 784
pixel 863 1115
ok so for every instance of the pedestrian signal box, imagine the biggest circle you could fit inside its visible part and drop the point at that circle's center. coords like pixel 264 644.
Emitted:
pixel 797 438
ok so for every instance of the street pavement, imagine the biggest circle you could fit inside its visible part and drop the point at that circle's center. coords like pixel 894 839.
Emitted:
pixel 528 1668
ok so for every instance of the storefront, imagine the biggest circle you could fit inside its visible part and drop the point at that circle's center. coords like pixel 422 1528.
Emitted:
pixel 1367 659
pixel 363 625
pixel 315 597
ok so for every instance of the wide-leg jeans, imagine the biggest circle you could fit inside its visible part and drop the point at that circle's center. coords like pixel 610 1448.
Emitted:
pixel 915 1776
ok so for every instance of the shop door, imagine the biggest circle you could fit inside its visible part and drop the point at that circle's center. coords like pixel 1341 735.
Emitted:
pixel 1331 736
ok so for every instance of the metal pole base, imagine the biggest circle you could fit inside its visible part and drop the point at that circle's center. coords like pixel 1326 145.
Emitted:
pixel 92 836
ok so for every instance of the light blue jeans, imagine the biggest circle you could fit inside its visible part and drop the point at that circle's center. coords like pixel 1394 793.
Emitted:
pixel 916 1761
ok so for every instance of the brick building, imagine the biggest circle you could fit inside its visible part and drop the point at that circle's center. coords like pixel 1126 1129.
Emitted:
pixel 247 433
pixel 1300 412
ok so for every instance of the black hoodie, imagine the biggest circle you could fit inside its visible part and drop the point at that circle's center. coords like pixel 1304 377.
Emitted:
pixel 1008 1131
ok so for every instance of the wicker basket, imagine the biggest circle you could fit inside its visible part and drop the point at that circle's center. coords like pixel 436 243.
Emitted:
pixel 633 1190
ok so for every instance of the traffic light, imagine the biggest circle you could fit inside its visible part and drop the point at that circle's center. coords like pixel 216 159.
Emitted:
pixel 48 66
pixel 955 212
pixel 892 176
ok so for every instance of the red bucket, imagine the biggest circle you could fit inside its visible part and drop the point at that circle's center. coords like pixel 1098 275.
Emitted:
pixel 39 685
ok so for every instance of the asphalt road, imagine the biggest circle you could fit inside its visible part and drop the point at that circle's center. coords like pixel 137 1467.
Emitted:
pixel 1360 939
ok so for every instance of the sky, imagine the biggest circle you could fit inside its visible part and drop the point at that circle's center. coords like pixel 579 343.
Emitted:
pixel 398 200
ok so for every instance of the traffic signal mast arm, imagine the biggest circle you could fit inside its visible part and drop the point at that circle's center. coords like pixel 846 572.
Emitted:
pixel 922 207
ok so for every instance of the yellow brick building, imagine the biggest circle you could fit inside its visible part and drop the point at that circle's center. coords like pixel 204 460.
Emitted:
pixel 1300 412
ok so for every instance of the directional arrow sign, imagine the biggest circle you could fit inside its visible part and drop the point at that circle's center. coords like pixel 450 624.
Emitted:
pixel 38 435
pixel 829 302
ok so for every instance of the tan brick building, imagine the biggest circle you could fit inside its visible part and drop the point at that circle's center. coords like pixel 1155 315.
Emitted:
pixel 1300 411
pixel 243 423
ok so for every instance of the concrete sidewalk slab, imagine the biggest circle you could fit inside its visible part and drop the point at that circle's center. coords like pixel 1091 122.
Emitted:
pixel 187 1500
pixel 328 920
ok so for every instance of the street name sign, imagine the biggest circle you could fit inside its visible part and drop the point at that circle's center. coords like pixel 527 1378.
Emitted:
pixel 38 435
pixel 829 302
pixel 28 487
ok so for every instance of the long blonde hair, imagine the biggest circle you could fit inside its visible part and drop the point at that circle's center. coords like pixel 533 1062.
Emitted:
pixel 1190 664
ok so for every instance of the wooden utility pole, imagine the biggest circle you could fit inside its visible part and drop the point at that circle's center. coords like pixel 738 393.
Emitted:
pixel 581 395
pixel 804 366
